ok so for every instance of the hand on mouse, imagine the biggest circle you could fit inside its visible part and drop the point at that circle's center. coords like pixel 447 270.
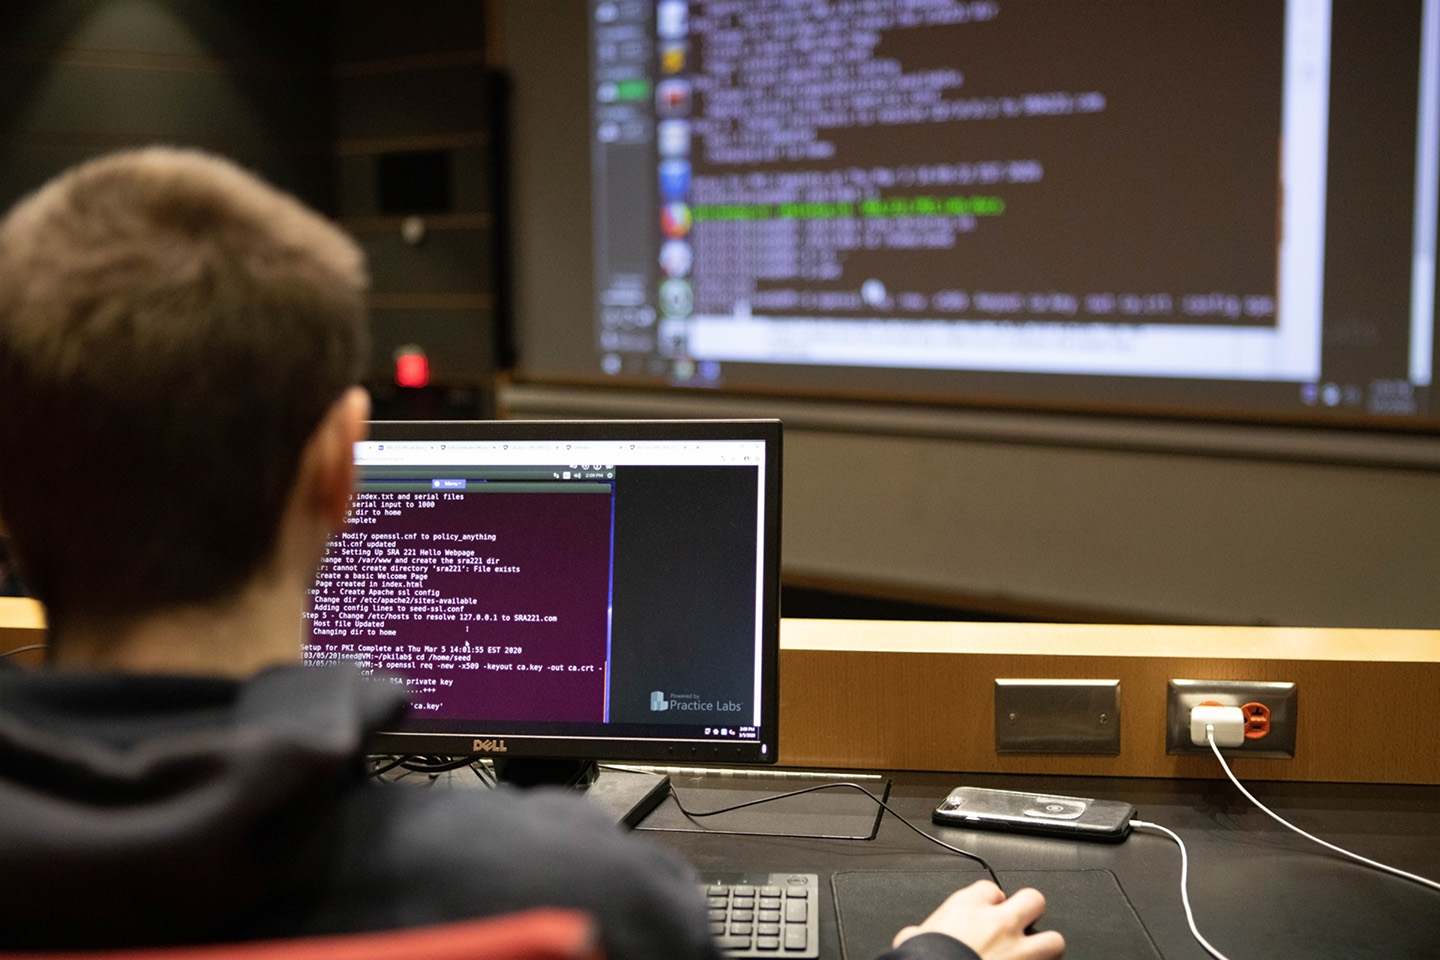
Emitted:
pixel 993 925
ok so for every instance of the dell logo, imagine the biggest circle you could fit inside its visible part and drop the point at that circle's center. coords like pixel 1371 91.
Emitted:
pixel 658 701
pixel 489 746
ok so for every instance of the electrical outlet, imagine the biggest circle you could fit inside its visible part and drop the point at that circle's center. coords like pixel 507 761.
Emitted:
pixel 1270 718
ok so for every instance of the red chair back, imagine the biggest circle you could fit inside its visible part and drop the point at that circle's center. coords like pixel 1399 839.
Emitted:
pixel 542 934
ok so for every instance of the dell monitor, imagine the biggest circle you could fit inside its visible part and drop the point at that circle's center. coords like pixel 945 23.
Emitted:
pixel 564 591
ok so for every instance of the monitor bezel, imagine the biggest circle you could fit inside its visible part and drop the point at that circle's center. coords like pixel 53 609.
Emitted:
pixel 482 742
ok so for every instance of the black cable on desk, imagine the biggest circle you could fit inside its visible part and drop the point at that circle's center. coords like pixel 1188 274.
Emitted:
pixel 433 766
pixel 693 815
pixel 25 649
pixel 381 771
pixel 418 764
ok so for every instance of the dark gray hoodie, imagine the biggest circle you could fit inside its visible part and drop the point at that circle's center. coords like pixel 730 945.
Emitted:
pixel 139 810
pixel 142 810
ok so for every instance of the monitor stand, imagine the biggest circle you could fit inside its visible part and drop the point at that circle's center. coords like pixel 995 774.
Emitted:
pixel 626 795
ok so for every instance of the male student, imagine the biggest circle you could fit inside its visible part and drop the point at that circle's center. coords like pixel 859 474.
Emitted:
pixel 179 348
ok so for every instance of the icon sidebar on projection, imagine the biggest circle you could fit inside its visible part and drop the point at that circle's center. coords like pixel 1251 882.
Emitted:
pixel 673 106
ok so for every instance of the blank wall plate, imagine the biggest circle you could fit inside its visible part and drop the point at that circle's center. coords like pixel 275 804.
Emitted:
pixel 1281 698
pixel 1057 716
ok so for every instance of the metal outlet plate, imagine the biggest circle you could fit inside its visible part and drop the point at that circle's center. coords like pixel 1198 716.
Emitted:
pixel 1057 716
pixel 1281 698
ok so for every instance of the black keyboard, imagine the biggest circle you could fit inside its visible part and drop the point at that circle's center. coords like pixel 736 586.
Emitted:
pixel 764 915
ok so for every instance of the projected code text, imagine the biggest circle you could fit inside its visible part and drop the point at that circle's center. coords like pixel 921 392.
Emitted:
pixel 802 204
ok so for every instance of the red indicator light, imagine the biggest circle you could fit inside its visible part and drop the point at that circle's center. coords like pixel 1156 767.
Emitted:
pixel 412 370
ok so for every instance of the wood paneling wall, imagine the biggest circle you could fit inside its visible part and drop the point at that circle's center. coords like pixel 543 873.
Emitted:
pixel 920 696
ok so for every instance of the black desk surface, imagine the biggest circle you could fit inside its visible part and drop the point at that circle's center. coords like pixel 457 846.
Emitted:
pixel 1258 890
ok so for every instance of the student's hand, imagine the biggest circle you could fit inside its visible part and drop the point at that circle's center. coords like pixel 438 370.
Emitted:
pixel 985 920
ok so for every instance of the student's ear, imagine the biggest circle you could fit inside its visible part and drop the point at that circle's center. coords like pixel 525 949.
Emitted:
pixel 332 455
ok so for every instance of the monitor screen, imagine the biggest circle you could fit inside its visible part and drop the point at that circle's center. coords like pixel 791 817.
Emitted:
pixel 1204 209
pixel 564 589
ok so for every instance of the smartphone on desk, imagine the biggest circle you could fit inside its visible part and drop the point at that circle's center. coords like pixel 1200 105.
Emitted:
pixel 1051 815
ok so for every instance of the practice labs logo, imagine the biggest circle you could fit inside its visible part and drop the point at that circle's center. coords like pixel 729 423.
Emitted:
pixel 660 702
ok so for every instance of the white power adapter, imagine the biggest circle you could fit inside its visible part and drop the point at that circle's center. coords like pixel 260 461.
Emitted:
pixel 1228 724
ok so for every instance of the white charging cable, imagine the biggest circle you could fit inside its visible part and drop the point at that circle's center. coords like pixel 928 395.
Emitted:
pixel 1210 738
pixel 1209 732
pixel 1184 885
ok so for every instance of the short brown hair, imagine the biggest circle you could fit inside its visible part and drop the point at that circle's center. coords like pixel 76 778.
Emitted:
pixel 172 330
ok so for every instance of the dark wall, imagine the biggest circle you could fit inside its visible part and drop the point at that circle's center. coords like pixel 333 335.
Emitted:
pixel 352 105
pixel 250 80
pixel 415 115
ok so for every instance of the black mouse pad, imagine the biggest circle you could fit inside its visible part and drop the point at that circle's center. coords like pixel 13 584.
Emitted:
pixel 1087 906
